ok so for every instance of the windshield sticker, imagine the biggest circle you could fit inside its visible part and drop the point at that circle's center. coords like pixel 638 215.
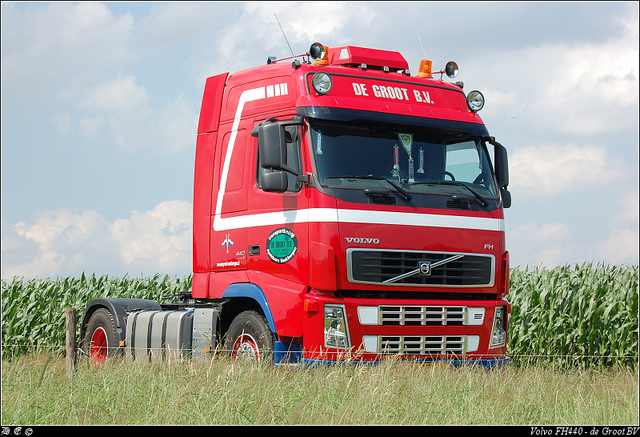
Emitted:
pixel 421 160
pixel 407 142
pixel 396 161
pixel 319 144
pixel 282 245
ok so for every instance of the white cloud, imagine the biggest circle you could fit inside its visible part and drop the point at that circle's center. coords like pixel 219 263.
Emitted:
pixel 62 121
pixel 311 21
pixel 627 211
pixel 303 23
pixel 547 244
pixel 621 246
pixel 92 126
pixel 65 241
pixel 121 94
pixel 176 124
pixel 162 234
pixel 52 48
pixel 61 243
pixel 563 88
pixel 552 169
pixel 183 22
pixel 125 107
pixel 545 232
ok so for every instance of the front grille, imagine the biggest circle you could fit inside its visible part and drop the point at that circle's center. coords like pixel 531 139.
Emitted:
pixel 372 266
pixel 423 345
pixel 422 315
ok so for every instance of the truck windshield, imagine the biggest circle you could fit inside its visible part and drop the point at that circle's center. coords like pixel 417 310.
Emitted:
pixel 417 159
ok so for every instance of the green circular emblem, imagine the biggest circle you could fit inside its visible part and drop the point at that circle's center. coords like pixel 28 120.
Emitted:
pixel 282 245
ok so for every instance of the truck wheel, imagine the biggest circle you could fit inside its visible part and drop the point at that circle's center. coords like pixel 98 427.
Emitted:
pixel 249 338
pixel 100 337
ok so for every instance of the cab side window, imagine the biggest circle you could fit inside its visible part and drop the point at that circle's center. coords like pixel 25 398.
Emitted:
pixel 294 159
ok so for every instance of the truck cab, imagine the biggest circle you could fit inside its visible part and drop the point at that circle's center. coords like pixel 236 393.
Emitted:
pixel 356 204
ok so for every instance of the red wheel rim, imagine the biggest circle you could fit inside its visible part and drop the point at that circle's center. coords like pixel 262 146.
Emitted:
pixel 245 349
pixel 98 351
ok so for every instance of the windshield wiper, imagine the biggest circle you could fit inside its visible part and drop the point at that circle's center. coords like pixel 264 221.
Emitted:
pixel 406 195
pixel 482 200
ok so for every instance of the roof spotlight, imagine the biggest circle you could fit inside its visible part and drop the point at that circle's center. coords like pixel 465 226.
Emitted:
pixel 451 69
pixel 475 100
pixel 317 51
pixel 321 83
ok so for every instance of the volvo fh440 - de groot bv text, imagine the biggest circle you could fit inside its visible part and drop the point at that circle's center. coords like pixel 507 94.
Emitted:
pixel 343 209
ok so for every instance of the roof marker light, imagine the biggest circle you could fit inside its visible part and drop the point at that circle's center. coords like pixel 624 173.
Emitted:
pixel 425 68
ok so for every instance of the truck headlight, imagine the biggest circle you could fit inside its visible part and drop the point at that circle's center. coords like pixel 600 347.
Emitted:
pixel 498 332
pixel 336 331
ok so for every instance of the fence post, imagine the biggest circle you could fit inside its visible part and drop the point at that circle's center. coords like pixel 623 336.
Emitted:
pixel 71 341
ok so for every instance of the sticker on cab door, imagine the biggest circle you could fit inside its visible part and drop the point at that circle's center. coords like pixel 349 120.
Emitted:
pixel 282 245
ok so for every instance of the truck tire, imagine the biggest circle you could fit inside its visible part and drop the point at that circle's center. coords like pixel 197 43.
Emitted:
pixel 249 339
pixel 100 336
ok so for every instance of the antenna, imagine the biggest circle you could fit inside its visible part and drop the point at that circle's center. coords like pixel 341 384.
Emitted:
pixel 423 52
pixel 285 36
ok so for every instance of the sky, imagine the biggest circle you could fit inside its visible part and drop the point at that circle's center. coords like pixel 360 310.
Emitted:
pixel 100 105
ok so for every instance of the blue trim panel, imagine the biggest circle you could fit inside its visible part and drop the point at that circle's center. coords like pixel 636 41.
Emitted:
pixel 254 292
pixel 286 353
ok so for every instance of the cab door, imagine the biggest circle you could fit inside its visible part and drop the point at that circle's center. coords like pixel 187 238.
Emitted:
pixel 277 241
pixel 229 203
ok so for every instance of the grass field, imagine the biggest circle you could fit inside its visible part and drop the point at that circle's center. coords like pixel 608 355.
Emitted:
pixel 36 390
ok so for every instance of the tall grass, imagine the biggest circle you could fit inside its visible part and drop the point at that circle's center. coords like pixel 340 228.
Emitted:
pixel 37 391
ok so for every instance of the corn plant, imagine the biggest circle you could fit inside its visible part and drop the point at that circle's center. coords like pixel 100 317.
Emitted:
pixel 33 312
pixel 575 315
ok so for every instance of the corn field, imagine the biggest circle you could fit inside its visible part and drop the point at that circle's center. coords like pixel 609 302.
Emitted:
pixel 569 316
pixel 577 316
pixel 33 312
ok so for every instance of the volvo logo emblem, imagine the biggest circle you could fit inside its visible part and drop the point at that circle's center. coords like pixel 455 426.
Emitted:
pixel 425 268
pixel 357 240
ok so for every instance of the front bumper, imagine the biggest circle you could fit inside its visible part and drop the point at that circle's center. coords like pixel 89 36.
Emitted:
pixel 424 331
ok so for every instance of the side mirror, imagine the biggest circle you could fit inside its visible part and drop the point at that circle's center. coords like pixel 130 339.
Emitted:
pixel 502 163
pixel 502 166
pixel 272 145
pixel 275 182
pixel 502 171
pixel 506 198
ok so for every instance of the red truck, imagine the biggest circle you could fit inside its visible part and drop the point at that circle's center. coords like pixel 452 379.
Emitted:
pixel 343 210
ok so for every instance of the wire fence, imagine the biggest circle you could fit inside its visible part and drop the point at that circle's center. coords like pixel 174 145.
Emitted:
pixel 10 351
